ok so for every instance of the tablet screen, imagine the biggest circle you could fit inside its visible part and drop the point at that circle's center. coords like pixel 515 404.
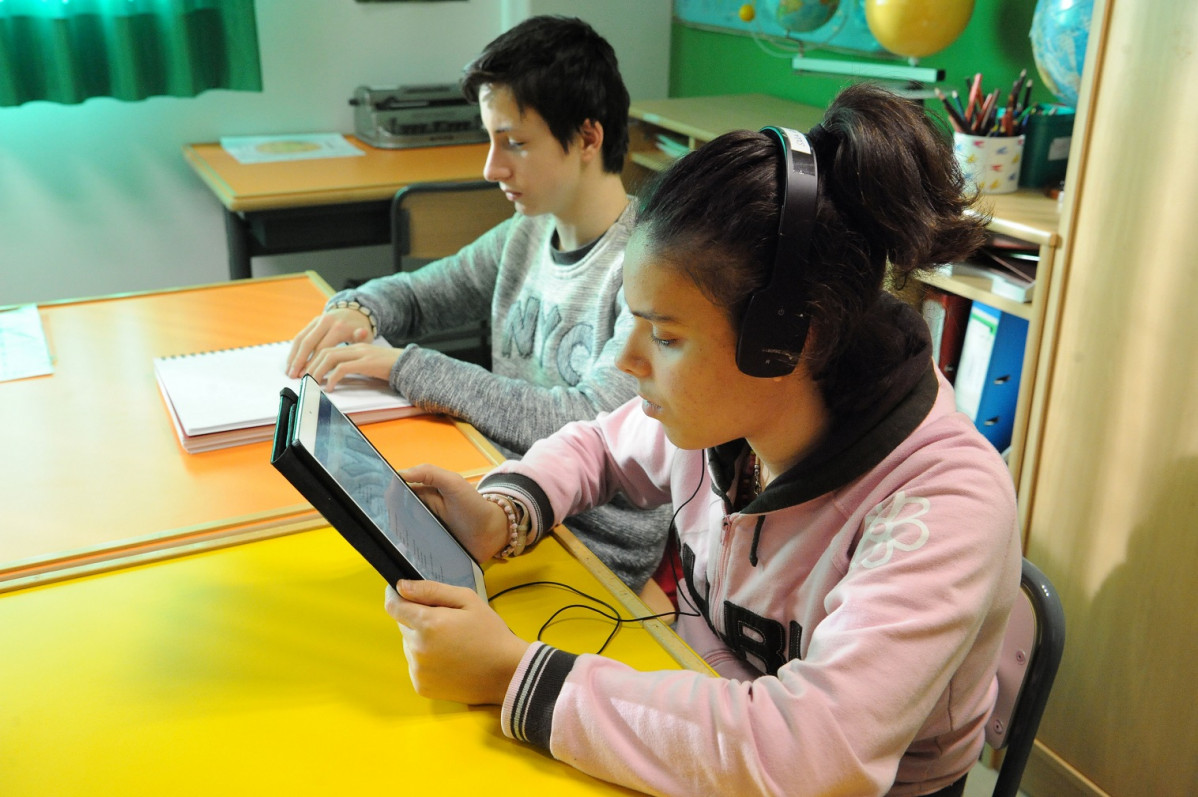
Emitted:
pixel 372 484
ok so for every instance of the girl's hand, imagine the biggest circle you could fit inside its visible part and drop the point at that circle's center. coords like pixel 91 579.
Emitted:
pixel 457 647
pixel 481 526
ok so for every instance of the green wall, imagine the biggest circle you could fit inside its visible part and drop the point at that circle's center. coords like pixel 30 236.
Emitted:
pixel 995 42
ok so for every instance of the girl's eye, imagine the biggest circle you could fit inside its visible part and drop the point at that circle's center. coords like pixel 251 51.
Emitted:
pixel 515 144
pixel 665 343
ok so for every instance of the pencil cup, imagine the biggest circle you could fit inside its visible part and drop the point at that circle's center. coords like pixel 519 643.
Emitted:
pixel 991 163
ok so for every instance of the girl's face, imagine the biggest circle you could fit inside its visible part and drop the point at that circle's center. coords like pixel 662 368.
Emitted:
pixel 682 352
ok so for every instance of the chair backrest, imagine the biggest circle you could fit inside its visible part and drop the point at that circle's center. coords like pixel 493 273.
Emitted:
pixel 431 220
pixel 1031 653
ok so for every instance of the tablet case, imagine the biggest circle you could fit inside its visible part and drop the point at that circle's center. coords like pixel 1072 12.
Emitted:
pixel 298 466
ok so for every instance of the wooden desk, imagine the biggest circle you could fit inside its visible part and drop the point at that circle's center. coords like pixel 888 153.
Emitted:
pixel 327 203
pixel 92 470
pixel 230 654
pixel 270 668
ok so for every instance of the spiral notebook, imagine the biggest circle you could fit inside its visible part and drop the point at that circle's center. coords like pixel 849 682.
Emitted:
pixel 230 397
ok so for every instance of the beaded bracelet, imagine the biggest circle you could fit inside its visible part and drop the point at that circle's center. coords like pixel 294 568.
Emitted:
pixel 366 311
pixel 517 532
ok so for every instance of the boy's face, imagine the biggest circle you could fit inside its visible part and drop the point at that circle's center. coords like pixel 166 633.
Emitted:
pixel 525 159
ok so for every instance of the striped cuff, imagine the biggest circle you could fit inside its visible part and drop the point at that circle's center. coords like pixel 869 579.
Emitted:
pixel 527 713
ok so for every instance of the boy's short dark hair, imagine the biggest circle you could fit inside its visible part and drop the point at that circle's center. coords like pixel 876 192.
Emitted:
pixel 565 71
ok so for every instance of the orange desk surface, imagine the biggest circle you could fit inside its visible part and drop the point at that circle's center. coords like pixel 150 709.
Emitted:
pixel 91 465
pixel 268 668
pixel 325 181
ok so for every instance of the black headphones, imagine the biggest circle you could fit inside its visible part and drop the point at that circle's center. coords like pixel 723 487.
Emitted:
pixel 774 327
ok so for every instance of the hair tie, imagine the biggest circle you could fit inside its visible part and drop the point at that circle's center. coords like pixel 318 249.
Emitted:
pixel 823 141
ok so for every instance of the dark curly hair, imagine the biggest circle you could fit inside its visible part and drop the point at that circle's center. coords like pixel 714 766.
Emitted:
pixel 565 71
pixel 890 196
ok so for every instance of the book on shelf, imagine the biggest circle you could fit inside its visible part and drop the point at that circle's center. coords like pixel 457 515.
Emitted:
pixel 230 397
pixel 947 315
pixel 671 146
pixel 1010 273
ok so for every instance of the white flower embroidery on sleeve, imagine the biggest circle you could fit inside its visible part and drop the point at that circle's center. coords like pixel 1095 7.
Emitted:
pixel 893 524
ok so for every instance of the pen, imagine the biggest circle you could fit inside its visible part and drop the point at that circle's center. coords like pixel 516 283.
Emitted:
pixel 955 118
pixel 975 99
pixel 957 103
pixel 1027 94
pixel 1013 99
pixel 983 120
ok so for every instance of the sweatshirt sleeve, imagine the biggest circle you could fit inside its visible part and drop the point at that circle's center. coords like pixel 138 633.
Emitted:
pixel 586 463
pixel 514 409
pixel 440 383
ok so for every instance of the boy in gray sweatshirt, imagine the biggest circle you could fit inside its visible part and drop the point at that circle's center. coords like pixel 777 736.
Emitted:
pixel 549 279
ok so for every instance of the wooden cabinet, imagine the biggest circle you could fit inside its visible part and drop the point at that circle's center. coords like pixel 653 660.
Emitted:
pixel 659 129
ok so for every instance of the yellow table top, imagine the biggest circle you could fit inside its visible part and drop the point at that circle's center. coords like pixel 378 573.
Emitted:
pixel 266 668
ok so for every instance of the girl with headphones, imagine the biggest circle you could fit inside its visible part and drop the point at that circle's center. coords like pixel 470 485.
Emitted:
pixel 849 545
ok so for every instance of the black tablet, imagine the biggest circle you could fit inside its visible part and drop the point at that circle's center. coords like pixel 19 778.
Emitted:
pixel 324 455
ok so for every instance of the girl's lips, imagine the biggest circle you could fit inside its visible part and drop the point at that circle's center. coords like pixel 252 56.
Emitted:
pixel 649 408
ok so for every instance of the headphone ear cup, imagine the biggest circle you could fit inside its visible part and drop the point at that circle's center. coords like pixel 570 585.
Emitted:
pixel 771 335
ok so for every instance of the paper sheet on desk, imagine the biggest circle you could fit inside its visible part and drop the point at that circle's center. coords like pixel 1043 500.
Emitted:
pixel 23 350
pixel 270 149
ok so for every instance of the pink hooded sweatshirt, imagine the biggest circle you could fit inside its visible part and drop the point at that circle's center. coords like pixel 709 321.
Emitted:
pixel 854 610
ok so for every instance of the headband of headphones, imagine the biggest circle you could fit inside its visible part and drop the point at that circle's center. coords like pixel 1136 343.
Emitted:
pixel 774 327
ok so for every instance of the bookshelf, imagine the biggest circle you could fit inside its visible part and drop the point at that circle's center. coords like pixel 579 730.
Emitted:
pixel 686 123
pixel 1029 216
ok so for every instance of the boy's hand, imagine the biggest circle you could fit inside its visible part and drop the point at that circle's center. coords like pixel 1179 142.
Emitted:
pixel 327 330
pixel 330 366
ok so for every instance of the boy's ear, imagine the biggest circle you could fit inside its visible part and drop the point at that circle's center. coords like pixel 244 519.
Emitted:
pixel 590 139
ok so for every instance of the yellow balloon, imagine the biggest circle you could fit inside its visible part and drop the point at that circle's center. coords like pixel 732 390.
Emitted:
pixel 747 12
pixel 916 28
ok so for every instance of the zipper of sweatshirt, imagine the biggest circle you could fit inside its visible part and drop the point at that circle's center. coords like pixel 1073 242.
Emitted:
pixel 715 598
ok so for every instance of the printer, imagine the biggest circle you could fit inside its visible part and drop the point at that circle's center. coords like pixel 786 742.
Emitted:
pixel 415 116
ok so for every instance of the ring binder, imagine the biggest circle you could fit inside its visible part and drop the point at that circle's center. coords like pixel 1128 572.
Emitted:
pixel 227 397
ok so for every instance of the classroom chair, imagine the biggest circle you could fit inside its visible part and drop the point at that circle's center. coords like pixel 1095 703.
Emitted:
pixel 433 220
pixel 1027 667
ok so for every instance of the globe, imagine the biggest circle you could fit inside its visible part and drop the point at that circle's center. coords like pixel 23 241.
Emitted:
pixel 1060 31
pixel 916 28
pixel 801 16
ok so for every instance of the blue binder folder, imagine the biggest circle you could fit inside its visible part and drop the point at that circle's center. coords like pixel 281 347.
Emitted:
pixel 987 384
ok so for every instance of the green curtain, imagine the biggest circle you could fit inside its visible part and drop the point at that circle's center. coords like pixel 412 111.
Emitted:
pixel 69 50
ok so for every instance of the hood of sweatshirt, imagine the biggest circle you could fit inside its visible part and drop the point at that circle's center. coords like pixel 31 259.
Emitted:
pixel 856 443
